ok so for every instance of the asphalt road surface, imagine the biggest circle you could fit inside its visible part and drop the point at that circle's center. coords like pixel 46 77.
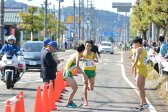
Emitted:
pixel 111 93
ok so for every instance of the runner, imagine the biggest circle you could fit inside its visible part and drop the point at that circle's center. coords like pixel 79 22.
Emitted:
pixel 141 70
pixel 71 65
pixel 133 55
pixel 89 59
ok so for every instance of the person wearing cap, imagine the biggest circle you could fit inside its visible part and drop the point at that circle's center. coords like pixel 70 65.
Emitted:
pixel 48 64
pixel 54 54
pixel 45 44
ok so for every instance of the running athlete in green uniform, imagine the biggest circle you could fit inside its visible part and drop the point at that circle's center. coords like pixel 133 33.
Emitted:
pixel 71 65
pixel 89 67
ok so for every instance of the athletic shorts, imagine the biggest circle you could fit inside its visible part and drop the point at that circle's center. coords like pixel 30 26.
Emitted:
pixel 142 71
pixel 90 73
pixel 67 74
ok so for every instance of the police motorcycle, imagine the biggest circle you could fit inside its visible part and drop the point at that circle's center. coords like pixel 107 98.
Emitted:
pixel 12 67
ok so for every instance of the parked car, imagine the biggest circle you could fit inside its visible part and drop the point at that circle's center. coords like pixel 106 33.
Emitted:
pixel 106 47
pixel 31 51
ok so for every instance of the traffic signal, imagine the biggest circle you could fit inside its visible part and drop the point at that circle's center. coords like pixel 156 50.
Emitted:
pixel 88 21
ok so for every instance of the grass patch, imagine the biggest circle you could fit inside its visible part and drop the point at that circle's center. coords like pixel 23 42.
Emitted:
pixel 159 83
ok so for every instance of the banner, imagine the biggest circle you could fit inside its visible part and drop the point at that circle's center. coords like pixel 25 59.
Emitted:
pixel 13 31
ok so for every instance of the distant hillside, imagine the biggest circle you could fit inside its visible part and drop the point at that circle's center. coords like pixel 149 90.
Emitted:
pixel 109 19
pixel 13 3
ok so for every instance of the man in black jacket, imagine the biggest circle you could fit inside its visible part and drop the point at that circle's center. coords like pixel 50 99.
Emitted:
pixel 48 64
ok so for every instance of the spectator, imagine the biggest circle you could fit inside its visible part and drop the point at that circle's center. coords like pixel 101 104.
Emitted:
pixel 48 64
pixel 163 47
pixel 65 45
pixel 95 48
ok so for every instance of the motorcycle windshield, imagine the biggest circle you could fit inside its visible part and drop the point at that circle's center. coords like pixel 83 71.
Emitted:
pixel 9 54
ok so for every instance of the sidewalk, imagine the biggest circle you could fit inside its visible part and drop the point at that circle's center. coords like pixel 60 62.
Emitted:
pixel 151 94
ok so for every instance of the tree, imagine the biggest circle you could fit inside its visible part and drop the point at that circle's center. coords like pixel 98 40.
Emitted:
pixel 158 14
pixel 139 18
pixel 31 21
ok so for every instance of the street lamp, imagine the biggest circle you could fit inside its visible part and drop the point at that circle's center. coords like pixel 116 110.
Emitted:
pixel 123 7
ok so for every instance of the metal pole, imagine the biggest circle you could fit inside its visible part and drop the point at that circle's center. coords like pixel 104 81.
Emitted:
pixel 45 20
pixel 83 21
pixel 125 27
pixel 59 17
pixel 2 22
pixel 87 37
pixel 74 34
pixel 79 22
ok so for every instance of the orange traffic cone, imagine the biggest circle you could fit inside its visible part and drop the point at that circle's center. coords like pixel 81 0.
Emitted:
pixel 75 72
pixel 60 85
pixel 51 94
pixel 21 96
pixel 17 105
pixel 56 97
pixel 63 86
pixel 57 90
pixel 45 98
pixel 8 106
pixel 38 102
pixel 66 84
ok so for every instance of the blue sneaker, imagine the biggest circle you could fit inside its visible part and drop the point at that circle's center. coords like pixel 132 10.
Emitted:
pixel 73 103
pixel 70 105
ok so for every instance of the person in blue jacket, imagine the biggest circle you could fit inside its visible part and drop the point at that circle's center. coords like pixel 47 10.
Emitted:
pixel 11 46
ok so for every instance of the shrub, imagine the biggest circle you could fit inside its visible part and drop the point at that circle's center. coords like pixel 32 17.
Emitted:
pixel 27 38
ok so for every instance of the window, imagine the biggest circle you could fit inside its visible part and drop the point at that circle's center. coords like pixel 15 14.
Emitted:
pixel 106 44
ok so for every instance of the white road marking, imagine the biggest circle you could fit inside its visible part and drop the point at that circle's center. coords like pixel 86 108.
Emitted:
pixel 151 107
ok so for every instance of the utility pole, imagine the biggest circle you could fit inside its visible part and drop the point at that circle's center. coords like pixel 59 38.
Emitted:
pixel 83 31
pixel 74 34
pixel 59 18
pixel 79 39
pixel 87 37
pixel 2 22
pixel 45 20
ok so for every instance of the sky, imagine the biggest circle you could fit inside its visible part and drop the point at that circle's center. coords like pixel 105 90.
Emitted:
pixel 98 4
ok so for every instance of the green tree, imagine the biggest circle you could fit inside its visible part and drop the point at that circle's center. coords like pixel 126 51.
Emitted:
pixel 158 14
pixel 139 18
pixel 31 21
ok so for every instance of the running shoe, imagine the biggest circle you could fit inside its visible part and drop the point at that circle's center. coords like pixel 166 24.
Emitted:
pixel 86 103
pixel 138 107
pixel 73 103
pixel 70 105
pixel 88 89
pixel 145 106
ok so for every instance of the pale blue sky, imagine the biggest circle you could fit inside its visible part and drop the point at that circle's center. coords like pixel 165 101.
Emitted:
pixel 98 4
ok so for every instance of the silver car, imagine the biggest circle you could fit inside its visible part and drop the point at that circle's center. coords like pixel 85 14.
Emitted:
pixel 31 51
pixel 106 47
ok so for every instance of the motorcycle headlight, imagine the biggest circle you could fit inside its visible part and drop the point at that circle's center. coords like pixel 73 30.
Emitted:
pixel 9 62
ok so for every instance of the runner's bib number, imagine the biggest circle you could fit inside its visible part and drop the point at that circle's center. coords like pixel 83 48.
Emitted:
pixel 89 63
pixel 145 61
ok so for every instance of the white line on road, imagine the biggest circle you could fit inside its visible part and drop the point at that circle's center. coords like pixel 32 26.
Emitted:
pixel 151 107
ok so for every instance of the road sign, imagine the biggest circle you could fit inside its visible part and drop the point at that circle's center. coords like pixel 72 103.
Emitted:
pixel 5 31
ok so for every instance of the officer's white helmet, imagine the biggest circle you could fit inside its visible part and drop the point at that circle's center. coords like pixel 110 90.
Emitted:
pixel 11 37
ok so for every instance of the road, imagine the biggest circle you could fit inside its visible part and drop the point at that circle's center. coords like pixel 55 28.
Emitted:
pixel 111 93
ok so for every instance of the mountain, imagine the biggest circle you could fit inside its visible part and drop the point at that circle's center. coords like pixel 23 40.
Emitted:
pixel 13 3
pixel 109 19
